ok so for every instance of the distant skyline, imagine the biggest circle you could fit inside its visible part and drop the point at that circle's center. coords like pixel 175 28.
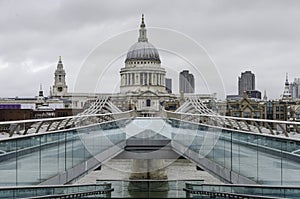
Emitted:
pixel 238 35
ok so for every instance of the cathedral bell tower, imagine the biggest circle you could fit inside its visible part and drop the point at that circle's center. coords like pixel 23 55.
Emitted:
pixel 60 87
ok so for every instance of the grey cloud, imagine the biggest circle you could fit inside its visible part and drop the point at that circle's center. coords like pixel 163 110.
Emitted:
pixel 239 35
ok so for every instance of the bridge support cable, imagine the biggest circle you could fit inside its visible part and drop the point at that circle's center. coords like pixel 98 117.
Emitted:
pixel 34 126
pixel 194 110
pixel 194 106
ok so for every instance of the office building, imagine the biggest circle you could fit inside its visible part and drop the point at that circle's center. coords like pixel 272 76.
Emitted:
pixel 246 82
pixel 168 85
pixel 295 89
pixel 186 82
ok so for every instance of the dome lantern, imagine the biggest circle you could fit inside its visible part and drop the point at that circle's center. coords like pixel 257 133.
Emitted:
pixel 142 50
pixel 143 32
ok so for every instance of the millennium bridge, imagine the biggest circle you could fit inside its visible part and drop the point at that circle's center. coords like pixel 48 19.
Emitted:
pixel 254 158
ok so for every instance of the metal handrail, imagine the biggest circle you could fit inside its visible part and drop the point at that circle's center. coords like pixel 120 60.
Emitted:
pixel 60 123
pixel 61 118
pixel 228 195
pixel 73 195
pixel 190 187
pixel 104 188
pixel 235 118
pixel 242 124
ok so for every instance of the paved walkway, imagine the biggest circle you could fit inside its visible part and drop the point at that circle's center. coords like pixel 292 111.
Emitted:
pixel 119 169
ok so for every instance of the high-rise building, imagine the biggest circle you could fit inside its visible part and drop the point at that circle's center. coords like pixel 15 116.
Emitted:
pixel 246 82
pixel 168 85
pixel 186 82
pixel 295 88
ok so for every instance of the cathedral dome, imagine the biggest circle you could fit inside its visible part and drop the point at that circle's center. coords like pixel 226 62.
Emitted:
pixel 142 50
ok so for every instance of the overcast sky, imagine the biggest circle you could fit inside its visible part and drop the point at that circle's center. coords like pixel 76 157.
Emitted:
pixel 261 36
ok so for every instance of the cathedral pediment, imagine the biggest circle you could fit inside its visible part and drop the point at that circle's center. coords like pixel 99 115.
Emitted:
pixel 148 93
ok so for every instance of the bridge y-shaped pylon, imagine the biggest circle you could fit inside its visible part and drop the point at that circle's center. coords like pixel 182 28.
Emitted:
pixel 101 105
pixel 193 109
pixel 99 110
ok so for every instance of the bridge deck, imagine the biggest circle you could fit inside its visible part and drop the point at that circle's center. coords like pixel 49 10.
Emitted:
pixel 232 155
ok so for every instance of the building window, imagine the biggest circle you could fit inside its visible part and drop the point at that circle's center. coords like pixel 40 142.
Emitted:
pixel 247 114
pixel 257 115
pixel 236 114
pixel 148 102
pixel 59 78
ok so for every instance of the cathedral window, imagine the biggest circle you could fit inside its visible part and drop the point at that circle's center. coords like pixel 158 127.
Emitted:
pixel 148 102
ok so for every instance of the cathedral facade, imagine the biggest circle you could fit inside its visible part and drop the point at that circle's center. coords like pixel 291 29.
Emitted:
pixel 143 78
pixel 142 85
